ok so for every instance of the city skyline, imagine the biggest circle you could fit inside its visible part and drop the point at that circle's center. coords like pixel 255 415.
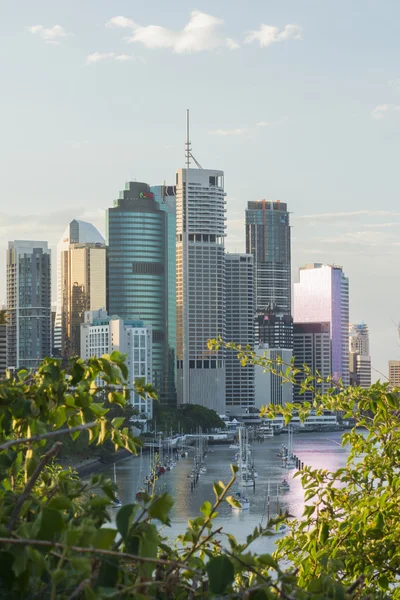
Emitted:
pixel 318 130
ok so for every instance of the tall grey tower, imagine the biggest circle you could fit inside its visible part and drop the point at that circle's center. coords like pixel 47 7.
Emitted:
pixel 268 240
pixel 28 304
pixel 200 240
pixel 239 288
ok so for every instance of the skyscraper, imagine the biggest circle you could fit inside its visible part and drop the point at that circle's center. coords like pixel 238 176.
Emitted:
pixel 83 272
pixel 268 240
pixel 28 303
pixel 239 291
pixel 137 273
pixel 270 387
pixel 165 195
pixel 322 295
pixel 394 373
pixel 200 235
pixel 359 357
pixel 101 334
pixel 75 293
pixel 311 347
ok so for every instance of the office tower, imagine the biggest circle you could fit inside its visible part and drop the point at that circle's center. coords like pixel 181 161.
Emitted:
pixel 165 195
pixel 311 347
pixel 101 334
pixel 3 348
pixel 200 235
pixel 28 303
pixel 83 276
pixel 73 287
pixel 268 240
pixel 359 356
pixel 137 273
pixel 394 373
pixel 239 293
pixel 322 295
pixel 270 388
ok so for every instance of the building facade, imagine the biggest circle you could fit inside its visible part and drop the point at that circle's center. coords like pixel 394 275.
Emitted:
pixel 322 295
pixel 101 334
pixel 28 304
pixel 239 292
pixel 200 266
pixel 165 195
pixel 137 270
pixel 359 356
pixel 73 288
pixel 311 347
pixel 83 276
pixel 394 373
pixel 3 349
pixel 270 388
pixel 268 240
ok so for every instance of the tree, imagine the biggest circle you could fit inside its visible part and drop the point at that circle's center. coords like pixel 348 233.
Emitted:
pixel 186 418
pixel 56 541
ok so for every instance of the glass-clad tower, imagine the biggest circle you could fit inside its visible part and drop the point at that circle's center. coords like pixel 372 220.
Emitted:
pixel 28 303
pixel 137 274
pixel 268 240
pixel 322 295
pixel 165 195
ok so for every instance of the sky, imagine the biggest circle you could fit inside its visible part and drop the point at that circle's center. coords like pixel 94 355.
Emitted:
pixel 297 100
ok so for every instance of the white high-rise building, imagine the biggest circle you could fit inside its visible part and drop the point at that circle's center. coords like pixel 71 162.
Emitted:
pixel 240 308
pixel 359 357
pixel 200 236
pixel 70 277
pixel 101 334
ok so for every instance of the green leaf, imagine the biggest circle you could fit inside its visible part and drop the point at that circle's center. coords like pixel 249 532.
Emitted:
pixel 383 582
pixel 124 518
pixel 104 538
pixel 266 559
pixel 51 523
pixel 206 508
pixel 161 507
pixel 324 532
pixel 220 572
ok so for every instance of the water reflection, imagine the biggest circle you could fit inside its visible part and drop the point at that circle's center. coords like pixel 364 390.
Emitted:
pixel 319 450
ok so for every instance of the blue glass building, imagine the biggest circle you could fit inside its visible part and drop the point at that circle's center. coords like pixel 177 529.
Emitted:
pixel 165 195
pixel 137 269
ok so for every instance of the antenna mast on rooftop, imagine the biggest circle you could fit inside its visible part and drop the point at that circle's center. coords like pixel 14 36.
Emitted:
pixel 188 149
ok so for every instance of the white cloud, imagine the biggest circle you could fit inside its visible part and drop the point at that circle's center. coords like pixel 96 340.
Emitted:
pixel 51 35
pixel 269 34
pixel 228 132
pixel 96 57
pixel 381 110
pixel 363 238
pixel 199 34
pixel 123 22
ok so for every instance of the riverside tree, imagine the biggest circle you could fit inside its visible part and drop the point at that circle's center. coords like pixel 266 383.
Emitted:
pixel 56 541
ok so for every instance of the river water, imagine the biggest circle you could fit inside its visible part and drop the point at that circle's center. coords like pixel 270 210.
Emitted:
pixel 319 450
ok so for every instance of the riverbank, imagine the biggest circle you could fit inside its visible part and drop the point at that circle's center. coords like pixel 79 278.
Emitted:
pixel 86 466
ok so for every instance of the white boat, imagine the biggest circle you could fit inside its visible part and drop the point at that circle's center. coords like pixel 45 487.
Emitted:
pixel 280 528
pixel 234 447
pixel 284 485
pixel 246 478
pixel 244 502
pixel 289 460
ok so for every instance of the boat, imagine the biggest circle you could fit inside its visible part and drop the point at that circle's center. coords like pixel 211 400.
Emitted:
pixel 245 477
pixel 280 528
pixel 234 447
pixel 284 485
pixel 117 502
pixel 244 502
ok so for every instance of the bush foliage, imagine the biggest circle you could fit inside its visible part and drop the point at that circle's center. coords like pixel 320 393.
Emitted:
pixel 56 541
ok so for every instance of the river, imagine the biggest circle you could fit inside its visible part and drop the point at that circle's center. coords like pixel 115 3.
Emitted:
pixel 319 450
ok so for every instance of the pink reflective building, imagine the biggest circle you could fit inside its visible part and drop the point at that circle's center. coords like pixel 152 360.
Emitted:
pixel 322 295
